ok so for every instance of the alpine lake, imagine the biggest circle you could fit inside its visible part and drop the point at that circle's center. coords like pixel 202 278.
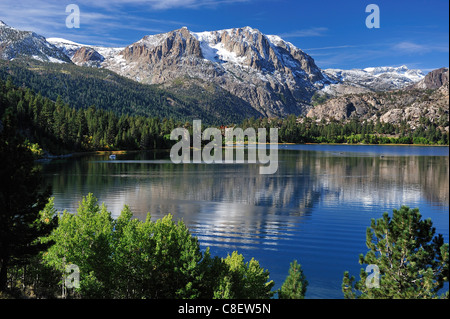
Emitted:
pixel 315 209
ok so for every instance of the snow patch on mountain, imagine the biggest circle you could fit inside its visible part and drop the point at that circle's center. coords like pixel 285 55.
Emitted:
pixel 396 76
pixel 215 51
pixel 413 75
pixel 4 25
pixel 70 48
pixel 370 79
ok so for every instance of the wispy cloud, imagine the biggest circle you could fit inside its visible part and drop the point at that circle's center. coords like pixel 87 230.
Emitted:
pixel 100 19
pixel 161 4
pixel 99 24
pixel 167 4
pixel 25 15
pixel 410 47
pixel 346 46
pixel 310 32
pixel 407 47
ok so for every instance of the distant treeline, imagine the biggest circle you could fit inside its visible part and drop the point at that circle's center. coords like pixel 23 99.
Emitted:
pixel 307 130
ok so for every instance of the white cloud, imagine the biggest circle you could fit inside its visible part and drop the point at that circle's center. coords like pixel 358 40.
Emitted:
pixel 333 47
pixel 410 47
pixel 160 4
pixel 98 24
pixel 100 19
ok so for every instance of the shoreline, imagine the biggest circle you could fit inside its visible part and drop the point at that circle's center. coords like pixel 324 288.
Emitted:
pixel 121 152
pixel 388 144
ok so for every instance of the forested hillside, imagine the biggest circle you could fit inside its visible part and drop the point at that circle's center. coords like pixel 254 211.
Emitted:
pixel 59 128
pixel 82 87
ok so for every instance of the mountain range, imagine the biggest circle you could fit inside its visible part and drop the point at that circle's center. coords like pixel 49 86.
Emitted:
pixel 370 79
pixel 265 73
pixel 274 76
pixel 424 100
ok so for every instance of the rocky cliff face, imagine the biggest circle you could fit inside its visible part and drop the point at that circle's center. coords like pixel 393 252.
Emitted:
pixel 410 104
pixel 435 79
pixel 86 56
pixel 272 75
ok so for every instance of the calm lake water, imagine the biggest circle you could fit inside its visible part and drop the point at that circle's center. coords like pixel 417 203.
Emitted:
pixel 315 209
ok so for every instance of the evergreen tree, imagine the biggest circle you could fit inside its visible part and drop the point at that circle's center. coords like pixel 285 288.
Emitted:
pixel 412 261
pixel 294 287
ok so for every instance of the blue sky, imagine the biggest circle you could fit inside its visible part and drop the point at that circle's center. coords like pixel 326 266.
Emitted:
pixel 414 33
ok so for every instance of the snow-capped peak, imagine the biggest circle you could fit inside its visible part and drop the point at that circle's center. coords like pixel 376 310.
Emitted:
pixel 275 39
pixel 414 75
pixel 62 41
pixel 15 43
pixel 4 26
pixel 380 78
pixel 68 47
pixel 216 48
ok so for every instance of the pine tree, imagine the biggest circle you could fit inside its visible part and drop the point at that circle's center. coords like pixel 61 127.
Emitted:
pixel 294 287
pixel 412 262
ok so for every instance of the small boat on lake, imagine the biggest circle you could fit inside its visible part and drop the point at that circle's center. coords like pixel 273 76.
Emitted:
pixel 112 157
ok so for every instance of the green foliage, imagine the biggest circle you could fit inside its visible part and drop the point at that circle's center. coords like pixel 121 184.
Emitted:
pixel 242 280
pixel 162 256
pixel 129 258
pixel 319 98
pixel 307 130
pixel 35 149
pixel 294 287
pixel 412 261
pixel 84 239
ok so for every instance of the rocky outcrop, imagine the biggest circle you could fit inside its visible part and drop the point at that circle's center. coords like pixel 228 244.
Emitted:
pixel 433 80
pixel 86 56
pixel 166 49
pixel 410 104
